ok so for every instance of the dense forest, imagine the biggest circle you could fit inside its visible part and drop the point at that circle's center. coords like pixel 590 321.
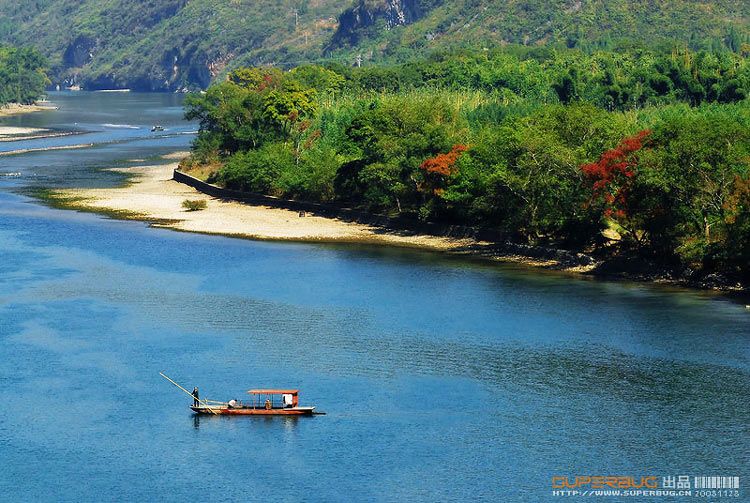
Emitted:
pixel 178 44
pixel 623 154
pixel 22 75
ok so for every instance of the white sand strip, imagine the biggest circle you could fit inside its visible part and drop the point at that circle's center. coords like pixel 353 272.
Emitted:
pixel 154 195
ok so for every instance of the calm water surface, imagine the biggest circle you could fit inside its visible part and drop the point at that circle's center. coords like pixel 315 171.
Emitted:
pixel 442 379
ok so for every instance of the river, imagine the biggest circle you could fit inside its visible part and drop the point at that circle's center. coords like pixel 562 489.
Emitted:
pixel 442 378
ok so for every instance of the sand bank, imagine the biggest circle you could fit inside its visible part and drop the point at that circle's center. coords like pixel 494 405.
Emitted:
pixel 11 133
pixel 152 195
pixel 46 149
pixel 15 108
pixel 8 134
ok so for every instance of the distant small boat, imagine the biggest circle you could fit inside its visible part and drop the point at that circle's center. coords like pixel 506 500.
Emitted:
pixel 157 128
pixel 265 402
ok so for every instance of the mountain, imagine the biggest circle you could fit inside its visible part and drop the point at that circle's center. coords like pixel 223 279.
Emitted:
pixel 165 44
pixel 173 44
pixel 372 25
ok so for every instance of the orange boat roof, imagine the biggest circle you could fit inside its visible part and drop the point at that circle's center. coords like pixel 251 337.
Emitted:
pixel 273 391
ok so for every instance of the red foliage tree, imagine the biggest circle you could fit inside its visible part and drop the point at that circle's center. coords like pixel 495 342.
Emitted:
pixel 613 174
pixel 437 168
pixel 266 82
pixel 444 164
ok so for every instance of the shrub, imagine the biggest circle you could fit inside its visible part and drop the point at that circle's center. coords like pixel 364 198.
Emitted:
pixel 196 205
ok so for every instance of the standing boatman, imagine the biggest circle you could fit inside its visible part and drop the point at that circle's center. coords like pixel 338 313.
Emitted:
pixel 196 399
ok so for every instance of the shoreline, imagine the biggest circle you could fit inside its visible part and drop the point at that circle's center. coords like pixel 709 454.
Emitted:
pixel 151 195
pixel 45 149
pixel 16 109
pixel 15 133
pixel 11 134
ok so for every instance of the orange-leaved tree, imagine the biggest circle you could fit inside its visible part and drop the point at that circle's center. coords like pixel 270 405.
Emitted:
pixel 437 169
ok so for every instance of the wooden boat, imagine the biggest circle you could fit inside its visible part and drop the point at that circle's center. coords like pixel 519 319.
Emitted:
pixel 265 402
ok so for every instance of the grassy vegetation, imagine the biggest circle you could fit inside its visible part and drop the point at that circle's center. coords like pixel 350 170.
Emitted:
pixel 194 205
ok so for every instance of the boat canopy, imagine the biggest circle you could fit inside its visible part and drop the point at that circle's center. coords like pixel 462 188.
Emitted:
pixel 273 391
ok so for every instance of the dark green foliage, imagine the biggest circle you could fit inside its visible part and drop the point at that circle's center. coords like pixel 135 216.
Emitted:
pixel 258 170
pixel 698 167
pixel 22 75
pixel 487 140
pixel 611 80
pixel 393 135
pixel 248 110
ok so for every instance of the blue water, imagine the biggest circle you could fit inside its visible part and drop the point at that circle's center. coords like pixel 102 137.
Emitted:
pixel 442 379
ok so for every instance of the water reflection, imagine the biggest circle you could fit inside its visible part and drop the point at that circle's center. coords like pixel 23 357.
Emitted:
pixel 274 424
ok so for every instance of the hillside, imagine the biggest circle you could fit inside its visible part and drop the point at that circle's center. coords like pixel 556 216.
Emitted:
pixel 165 44
pixel 585 24
pixel 173 44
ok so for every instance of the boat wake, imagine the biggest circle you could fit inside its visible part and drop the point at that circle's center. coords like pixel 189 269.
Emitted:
pixel 120 126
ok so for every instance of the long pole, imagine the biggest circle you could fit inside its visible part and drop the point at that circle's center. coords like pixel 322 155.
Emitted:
pixel 186 391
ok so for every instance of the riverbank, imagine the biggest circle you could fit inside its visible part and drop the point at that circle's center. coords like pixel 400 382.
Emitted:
pixel 46 149
pixel 17 108
pixel 151 195
pixel 16 133
pixel 11 133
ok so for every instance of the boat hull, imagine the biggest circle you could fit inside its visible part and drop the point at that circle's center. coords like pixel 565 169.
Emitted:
pixel 226 411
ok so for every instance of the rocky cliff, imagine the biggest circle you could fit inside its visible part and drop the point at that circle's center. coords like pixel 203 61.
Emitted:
pixel 367 16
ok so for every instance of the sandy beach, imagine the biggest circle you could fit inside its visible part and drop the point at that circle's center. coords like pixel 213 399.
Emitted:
pixel 153 196
pixel 15 108
pixel 9 133
pixel 14 133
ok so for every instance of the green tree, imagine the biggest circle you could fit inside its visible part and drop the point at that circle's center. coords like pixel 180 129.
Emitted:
pixel 23 75
pixel 285 107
